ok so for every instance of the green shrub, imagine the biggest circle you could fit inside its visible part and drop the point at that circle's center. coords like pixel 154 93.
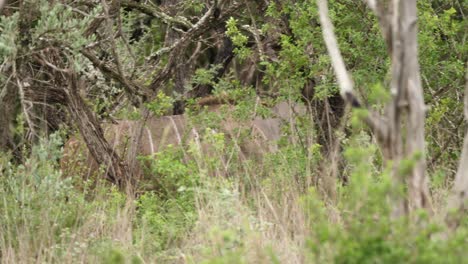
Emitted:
pixel 167 212
pixel 365 231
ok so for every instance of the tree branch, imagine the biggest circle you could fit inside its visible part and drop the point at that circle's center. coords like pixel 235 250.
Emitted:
pixel 118 172
pixel 178 46
pixel 384 20
pixel 153 12
pixel 345 82
pixel 134 90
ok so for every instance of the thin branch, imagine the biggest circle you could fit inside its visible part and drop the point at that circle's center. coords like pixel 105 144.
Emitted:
pixel 26 108
pixel 153 12
pixel 133 89
pixel 256 33
pixel 197 29
pixel 3 91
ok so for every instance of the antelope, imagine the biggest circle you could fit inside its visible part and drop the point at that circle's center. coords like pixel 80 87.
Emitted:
pixel 177 130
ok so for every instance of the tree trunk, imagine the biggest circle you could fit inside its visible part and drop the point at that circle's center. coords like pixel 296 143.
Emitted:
pixel 9 95
pixel 405 111
pixel 181 69
pixel 419 196
pixel 458 199
pixel 117 171
pixel 8 110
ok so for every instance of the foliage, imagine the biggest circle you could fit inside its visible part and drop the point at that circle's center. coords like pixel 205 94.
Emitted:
pixel 8 36
pixel 366 232
pixel 160 105
pixel 239 40
pixel 310 201
pixel 58 22
pixel 44 213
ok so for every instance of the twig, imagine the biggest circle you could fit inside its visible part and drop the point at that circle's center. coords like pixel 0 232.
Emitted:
pixel 123 79
pixel 153 12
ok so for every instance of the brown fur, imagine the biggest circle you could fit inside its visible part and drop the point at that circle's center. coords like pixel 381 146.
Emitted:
pixel 159 133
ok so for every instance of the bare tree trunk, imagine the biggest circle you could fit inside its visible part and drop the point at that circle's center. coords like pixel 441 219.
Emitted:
pixel 458 199
pixel 393 147
pixel 419 196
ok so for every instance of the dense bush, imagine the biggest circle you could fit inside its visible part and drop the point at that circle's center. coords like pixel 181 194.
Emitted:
pixel 325 196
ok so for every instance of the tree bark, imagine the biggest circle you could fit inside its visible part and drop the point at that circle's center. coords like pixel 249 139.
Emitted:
pixel 8 106
pixel 419 196
pixel 458 199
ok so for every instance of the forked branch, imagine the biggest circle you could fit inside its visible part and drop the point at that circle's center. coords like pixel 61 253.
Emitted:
pixel 398 22
pixel 373 120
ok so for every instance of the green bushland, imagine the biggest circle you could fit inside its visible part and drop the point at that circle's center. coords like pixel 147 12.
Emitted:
pixel 293 207
pixel 269 212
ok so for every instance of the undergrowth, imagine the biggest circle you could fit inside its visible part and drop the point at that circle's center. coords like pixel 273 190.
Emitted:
pixel 274 211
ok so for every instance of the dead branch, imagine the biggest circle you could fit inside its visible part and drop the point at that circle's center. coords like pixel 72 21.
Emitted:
pixel 344 81
pixel 135 91
pixel 199 28
pixel 132 89
pixel 154 12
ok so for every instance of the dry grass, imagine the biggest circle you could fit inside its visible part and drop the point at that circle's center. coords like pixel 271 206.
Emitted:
pixel 252 212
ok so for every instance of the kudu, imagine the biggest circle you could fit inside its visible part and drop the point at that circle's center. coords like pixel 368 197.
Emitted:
pixel 177 130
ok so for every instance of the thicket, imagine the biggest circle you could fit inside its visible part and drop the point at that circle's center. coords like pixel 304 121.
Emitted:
pixel 323 197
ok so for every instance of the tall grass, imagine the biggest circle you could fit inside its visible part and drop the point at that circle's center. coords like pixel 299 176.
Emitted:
pixel 274 211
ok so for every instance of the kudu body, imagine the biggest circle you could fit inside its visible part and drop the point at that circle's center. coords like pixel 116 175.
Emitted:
pixel 177 130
